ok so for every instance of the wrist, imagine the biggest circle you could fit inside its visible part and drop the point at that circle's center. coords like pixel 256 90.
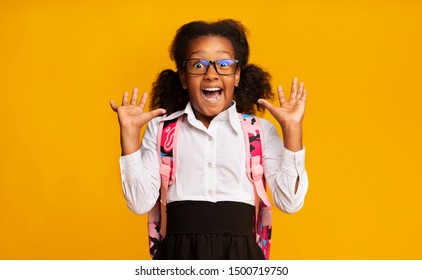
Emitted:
pixel 129 140
pixel 292 136
pixel 129 130
pixel 130 147
pixel 291 127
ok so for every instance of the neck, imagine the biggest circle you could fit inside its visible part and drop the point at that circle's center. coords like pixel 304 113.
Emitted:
pixel 204 119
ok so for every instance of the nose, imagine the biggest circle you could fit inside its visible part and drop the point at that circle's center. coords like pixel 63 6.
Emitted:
pixel 211 73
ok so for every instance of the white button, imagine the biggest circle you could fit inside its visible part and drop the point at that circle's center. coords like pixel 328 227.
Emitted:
pixel 209 164
pixel 210 138
pixel 210 192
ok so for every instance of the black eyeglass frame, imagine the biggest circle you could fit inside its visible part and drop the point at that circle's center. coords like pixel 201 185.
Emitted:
pixel 185 63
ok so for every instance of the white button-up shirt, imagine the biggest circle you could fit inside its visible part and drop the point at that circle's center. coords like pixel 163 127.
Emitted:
pixel 211 165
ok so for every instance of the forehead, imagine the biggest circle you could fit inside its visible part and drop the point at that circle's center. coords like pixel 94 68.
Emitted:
pixel 210 45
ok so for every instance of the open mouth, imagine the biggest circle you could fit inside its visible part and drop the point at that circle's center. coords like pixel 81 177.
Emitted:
pixel 212 94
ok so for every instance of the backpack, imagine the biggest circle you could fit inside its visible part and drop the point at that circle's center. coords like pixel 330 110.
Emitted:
pixel 167 140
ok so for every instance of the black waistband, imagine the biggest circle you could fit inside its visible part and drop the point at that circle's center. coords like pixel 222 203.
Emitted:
pixel 194 217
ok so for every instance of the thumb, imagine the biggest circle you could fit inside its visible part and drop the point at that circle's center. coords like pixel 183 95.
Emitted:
pixel 268 105
pixel 146 117
pixel 155 113
pixel 113 106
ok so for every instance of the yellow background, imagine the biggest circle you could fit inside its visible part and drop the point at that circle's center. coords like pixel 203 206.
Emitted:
pixel 61 62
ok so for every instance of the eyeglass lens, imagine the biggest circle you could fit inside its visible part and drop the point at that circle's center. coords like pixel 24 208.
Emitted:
pixel 222 66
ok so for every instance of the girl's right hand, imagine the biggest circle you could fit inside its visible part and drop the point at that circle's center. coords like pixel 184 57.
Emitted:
pixel 131 119
pixel 131 115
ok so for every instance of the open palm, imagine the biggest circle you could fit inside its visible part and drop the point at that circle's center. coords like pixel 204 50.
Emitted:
pixel 133 115
pixel 290 112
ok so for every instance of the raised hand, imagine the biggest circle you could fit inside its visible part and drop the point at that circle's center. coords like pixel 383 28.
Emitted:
pixel 132 117
pixel 291 111
pixel 290 114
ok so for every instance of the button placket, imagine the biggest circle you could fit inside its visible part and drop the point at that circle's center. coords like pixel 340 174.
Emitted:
pixel 211 162
pixel 209 172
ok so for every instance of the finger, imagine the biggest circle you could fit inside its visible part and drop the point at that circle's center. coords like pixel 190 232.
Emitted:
pixel 125 98
pixel 152 114
pixel 300 90
pixel 134 99
pixel 281 97
pixel 268 105
pixel 113 106
pixel 157 112
pixel 294 89
pixel 143 100
pixel 303 97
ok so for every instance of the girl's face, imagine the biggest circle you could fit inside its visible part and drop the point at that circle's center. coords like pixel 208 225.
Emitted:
pixel 210 93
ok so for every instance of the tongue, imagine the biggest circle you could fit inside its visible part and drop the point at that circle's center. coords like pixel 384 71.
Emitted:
pixel 211 94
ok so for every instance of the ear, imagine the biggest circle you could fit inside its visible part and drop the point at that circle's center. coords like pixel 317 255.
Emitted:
pixel 183 79
pixel 237 77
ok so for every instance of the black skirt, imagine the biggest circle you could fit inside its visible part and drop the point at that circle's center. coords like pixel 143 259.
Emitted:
pixel 201 230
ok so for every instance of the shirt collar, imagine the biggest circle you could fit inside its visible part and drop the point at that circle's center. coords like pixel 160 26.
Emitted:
pixel 231 116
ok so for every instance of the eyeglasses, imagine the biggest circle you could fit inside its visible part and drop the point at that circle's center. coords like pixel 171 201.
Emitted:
pixel 198 66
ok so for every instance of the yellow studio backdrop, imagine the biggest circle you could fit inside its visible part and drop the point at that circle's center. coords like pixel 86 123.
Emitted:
pixel 61 62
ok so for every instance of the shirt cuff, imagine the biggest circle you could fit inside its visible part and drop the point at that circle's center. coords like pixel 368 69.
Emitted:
pixel 294 162
pixel 130 165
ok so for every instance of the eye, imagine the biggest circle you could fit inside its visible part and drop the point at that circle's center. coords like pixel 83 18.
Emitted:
pixel 198 65
pixel 225 62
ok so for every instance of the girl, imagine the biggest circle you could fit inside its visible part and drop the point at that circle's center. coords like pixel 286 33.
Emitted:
pixel 210 206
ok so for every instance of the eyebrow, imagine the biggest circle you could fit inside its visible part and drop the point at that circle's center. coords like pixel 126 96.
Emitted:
pixel 201 52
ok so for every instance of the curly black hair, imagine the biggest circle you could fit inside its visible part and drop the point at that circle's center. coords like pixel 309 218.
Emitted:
pixel 167 91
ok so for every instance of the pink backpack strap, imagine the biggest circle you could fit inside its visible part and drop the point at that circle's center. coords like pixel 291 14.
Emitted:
pixel 157 216
pixel 254 146
pixel 252 130
pixel 167 139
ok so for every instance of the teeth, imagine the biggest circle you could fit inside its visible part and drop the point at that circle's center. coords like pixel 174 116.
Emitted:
pixel 215 98
pixel 212 89
pixel 212 94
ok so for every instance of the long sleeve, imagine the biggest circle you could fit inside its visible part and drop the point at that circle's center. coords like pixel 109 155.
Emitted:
pixel 282 169
pixel 211 166
pixel 140 173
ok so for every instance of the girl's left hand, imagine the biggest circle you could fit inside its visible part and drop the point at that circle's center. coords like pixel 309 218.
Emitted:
pixel 290 112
